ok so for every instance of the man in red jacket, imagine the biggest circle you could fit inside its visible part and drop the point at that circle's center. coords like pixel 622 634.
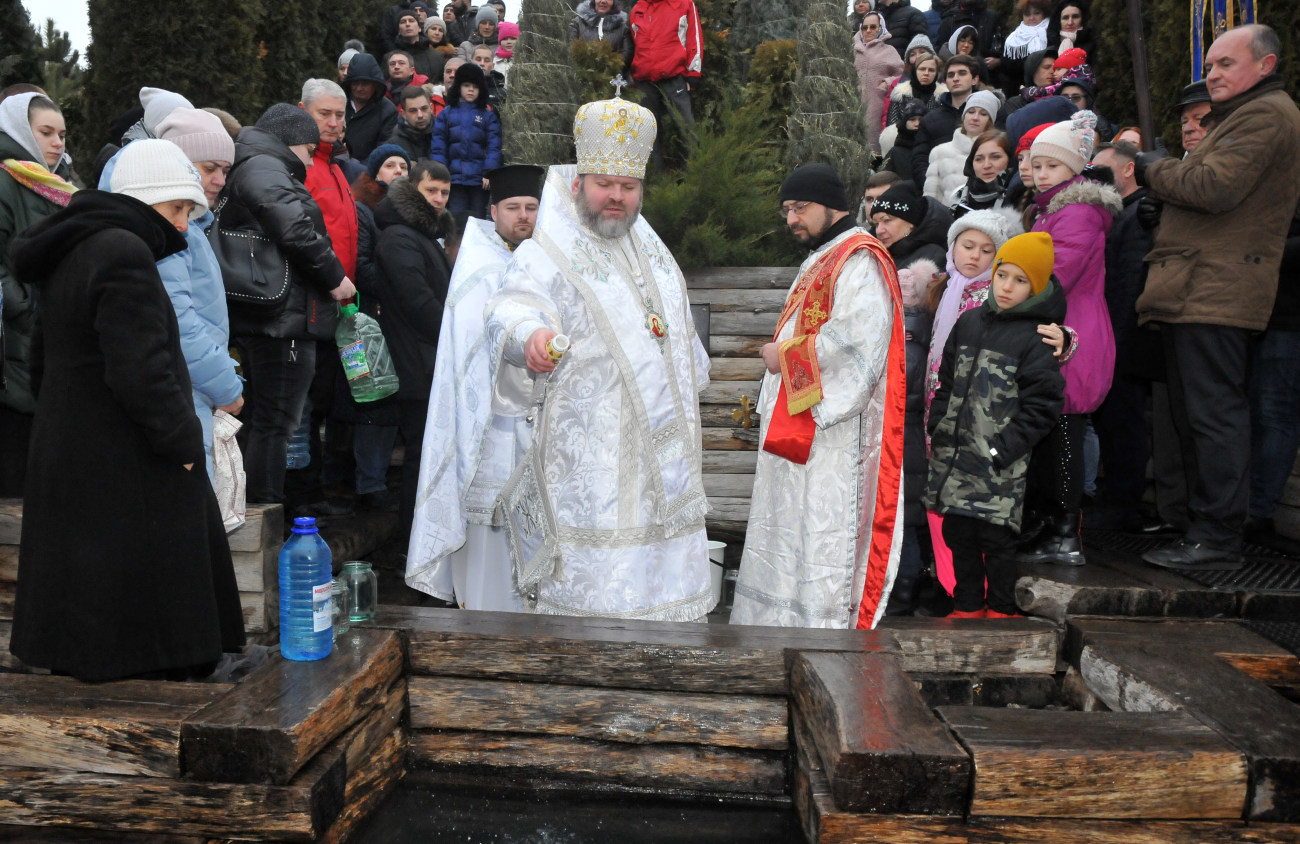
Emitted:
pixel 668 57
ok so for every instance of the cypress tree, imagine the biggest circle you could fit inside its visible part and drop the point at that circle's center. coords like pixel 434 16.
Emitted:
pixel 826 113
pixel 134 44
pixel 537 116
pixel 19 45
pixel 291 35
pixel 756 21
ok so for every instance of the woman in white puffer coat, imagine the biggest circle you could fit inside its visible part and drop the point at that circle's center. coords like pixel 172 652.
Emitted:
pixel 947 170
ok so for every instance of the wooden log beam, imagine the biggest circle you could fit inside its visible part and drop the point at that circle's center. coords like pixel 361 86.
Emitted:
pixel 742 278
pixel 520 759
pixel 299 811
pixel 285 712
pixel 8 662
pixel 28 835
pixel 263 527
pixel 882 748
pixel 724 439
pixel 1042 763
pixel 612 653
pixel 973 646
pixel 1055 592
pixel 1154 672
pixel 130 727
pixel 618 715
pixel 9 563
pixel 11 521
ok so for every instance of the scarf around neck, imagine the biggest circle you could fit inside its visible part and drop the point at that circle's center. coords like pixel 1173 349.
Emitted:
pixel 945 316
pixel 1026 39
pixel 40 181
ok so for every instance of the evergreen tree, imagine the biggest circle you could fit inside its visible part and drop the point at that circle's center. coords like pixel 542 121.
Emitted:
pixel 537 116
pixel 209 52
pixel 19 45
pixel 292 38
pixel 826 113
pixel 756 21
pixel 61 75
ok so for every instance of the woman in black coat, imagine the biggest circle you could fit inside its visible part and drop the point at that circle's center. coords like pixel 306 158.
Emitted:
pixel 265 192
pixel 412 285
pixel 125 566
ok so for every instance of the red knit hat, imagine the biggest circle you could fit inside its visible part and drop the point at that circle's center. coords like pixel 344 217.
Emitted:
pixel 1072 57
pixel 1027 139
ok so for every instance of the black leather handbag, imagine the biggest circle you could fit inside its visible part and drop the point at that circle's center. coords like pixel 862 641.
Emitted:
pixel 255 273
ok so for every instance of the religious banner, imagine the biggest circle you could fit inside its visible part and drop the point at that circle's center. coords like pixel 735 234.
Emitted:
pixel 1223 19
pixel 1198 47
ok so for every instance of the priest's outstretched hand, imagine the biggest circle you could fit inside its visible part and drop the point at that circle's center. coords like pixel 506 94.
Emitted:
pixel 535 354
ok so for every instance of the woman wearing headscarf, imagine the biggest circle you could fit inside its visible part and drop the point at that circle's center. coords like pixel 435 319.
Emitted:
pixel 126 568
pixel 34 172
pixel 877 63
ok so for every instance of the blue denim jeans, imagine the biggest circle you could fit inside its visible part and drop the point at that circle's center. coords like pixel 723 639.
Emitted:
pixel 1274 417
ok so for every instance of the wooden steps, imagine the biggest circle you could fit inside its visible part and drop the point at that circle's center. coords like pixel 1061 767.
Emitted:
pixel 306 751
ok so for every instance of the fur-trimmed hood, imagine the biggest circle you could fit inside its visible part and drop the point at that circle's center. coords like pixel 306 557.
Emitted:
pixel 903 90
pixel 1087 192
pixel 406 206
pixel 914 281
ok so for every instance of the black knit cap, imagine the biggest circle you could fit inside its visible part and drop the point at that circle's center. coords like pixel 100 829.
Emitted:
pixel 290 124
pixel 815 183
pixel 516 180
pixel 901 201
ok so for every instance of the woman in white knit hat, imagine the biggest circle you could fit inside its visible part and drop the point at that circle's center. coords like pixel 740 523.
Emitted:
pixel 946 172
pixel 192 278
pixel 119 448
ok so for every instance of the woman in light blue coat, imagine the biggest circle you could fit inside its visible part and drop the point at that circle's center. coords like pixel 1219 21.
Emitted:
pixel 192 278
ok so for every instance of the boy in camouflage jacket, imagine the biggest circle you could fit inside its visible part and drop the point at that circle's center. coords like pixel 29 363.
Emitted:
pixel 1000 391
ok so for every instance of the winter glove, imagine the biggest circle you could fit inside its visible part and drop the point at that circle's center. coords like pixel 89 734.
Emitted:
pixel 1148 213
pixel 1145 160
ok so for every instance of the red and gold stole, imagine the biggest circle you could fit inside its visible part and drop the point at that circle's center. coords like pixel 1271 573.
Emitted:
pixel 790 430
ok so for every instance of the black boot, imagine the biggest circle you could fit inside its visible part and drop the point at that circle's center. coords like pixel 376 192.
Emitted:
pixel 1060 543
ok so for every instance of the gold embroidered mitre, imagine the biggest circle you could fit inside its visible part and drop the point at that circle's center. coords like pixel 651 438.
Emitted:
pixel 613 138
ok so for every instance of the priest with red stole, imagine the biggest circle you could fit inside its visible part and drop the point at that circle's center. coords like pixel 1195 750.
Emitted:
pixel 825 521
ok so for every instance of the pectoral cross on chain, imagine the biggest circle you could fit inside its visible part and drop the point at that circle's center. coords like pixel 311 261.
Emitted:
pixel 619 83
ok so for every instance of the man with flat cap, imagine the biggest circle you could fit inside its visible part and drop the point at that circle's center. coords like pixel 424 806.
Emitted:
pixel 605 512
pixel 825 520
pixel 476 431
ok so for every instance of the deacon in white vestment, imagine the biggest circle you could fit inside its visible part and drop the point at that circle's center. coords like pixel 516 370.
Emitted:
pixel 825 520
pixel 606 512
pixel 477 430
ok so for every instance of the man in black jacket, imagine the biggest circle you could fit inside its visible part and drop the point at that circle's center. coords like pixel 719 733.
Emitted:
pixel 414 128
pixel 1120 422
pixel 371 117
pixel 961 75
pixel 903 22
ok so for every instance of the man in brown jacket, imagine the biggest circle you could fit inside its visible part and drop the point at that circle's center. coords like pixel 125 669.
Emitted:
pixel 1213 275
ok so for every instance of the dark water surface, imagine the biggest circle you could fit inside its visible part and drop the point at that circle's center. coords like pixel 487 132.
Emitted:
pixel 420 815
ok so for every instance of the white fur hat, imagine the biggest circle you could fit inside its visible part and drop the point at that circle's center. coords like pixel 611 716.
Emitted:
pixel 1000 225
pixel 155 171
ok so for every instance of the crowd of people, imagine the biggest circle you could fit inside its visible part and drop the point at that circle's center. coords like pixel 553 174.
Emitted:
pixel 957 366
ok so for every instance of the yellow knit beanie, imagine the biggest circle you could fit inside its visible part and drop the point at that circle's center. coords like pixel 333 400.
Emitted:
pixel 1033 253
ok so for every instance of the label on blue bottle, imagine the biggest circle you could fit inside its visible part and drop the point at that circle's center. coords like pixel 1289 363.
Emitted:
pixel 322 607
pixel 354 360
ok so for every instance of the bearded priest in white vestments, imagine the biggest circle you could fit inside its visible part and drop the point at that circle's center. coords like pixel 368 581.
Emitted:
pixel 477 429
pixel 606 512
pixel 825 520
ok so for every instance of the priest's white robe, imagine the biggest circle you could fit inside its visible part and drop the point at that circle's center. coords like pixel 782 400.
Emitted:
pixel 614 523
pixel 810 526
pixel 474 437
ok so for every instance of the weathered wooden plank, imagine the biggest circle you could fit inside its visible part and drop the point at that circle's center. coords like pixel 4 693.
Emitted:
pixel 9 563
pixel 743 278
pixel 722 439
pixel 1180 596
pixel 728 392
pixel 737 346
pixel 745 324
pixel 719 415
pixel 282 714
pixel 611 653
pixel 256 571
pixel 824 823
pixel 263 527
pixel 737 369
pixel 368 785
pixel 1057 591
pixel 1150 672
pixel 634 717
pixel 729 510
pixel 974 646
pixel 1041 763
pixel 7 592
pixel 729 486
pixel 880 745
pixel 730 462
pixel 299 811
pixel 721 299
pixel 129 727
pixel 8 662
pixel 28 835
pixel 261 610
pixel 1075 692
pixel 11 521
pixel 520 757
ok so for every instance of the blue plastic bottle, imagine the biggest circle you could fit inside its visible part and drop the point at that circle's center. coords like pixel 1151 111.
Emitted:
pixel 298 455
pixel 306 604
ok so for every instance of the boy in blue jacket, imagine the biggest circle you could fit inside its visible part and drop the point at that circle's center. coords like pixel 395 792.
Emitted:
pixel 467 139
